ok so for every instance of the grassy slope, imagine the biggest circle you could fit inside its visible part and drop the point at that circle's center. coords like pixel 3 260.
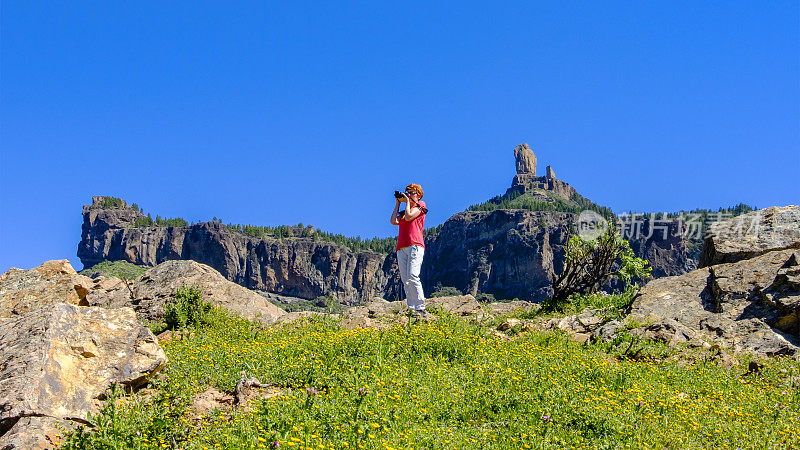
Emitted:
pixel 447 385
pixel 119 269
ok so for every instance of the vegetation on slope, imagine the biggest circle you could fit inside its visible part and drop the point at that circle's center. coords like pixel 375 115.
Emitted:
pixel 119 269
pixel 148 221
pixel 514 200
pixel 355 244
pixel 445 384
pixel 532 202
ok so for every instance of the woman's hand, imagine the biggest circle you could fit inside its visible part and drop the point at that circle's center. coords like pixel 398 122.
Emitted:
pixel 394 220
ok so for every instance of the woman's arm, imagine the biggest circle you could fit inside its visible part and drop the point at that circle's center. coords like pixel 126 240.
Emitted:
pixel 393 220
pixel 414 212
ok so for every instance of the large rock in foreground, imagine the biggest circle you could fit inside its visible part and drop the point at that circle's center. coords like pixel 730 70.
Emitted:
pixel 752 234
pixel 53 281
pixel 751 305
pixel 57 361
pixel 150 292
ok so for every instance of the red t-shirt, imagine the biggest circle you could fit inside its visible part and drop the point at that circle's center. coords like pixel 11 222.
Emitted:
pixel 411 232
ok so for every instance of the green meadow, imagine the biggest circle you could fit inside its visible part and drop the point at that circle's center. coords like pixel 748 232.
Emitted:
pixel 448 383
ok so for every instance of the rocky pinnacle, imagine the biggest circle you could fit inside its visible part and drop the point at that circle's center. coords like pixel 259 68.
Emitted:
pixel 526 160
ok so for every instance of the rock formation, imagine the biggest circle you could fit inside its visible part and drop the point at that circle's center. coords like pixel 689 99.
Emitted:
pixel 514 253
pixel 297 267
pixel 525 159
pixel 56 362
pixel 53 281
pixel 511 253
pixel 547 188
pixel 149 293
pixel 751 303
pixel 379 313
pixel 751 234
pixel 664 243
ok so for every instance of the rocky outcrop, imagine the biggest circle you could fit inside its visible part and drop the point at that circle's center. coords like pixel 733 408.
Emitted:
pixel 514 306
pixel 752 234
pixel 459 305
pixel 56 362
pixel 525 160
pixel 297 266
pixel 510 253
pixel 750 304
pixel 514 253
pixel 53 281
pixel 148 294
pixel 380 313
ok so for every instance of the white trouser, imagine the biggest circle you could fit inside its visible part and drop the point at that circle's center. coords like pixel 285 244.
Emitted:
pixel 410 261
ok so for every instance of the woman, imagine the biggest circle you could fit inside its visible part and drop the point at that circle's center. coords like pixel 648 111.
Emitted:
pixel 410 245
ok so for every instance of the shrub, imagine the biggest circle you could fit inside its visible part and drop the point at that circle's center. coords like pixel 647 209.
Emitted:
pixel 186 308
pixel 147 221
pixel 484 297
pixel 614 304
pixel 591 263
pixel 112 202
pixel 517 200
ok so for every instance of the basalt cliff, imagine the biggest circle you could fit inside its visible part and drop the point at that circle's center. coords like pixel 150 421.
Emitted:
pixel 297 267
pixel 511 245
pixel 508 247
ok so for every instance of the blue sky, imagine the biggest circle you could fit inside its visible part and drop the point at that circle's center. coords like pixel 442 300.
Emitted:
pixel 284 112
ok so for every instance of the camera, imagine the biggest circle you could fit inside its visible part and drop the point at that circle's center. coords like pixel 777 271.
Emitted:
pixel 398 194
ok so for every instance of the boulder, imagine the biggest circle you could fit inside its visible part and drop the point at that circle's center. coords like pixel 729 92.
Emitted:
pixel 150 292
pixel 514 306
pixel 609 330
pixel 752 234
pixel 56 362
pixel 586 322
pixel 509 323
pixel 733 282
pixel 376 308
pixel 748 305
pixel 784 295
pixel 460 305
pixel 53 281
pixel 376 314
pixel 35 433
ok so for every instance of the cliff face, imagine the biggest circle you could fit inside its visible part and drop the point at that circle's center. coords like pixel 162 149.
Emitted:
pixel 664 244
pixel 514 253
pixel 505 252
pixel 298 267
pixel 509 253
